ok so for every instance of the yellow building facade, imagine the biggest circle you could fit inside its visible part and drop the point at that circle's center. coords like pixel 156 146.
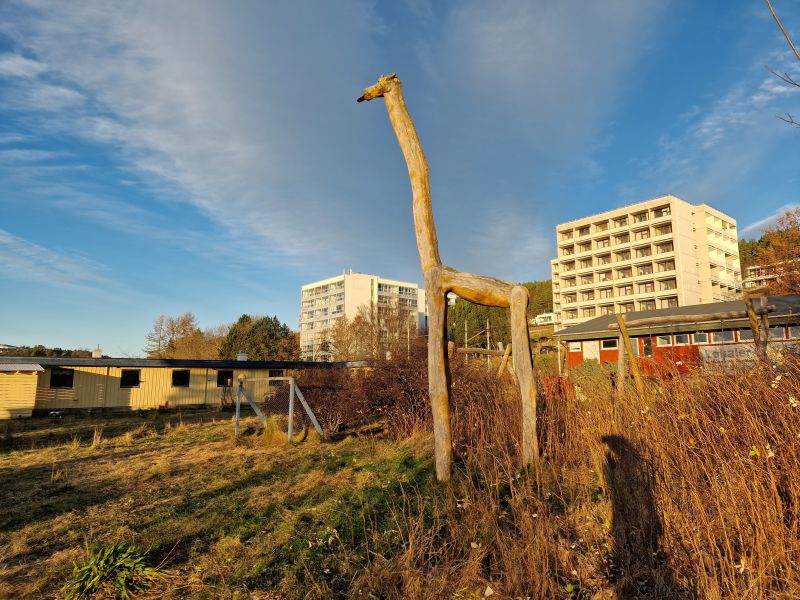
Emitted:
pixel 40 385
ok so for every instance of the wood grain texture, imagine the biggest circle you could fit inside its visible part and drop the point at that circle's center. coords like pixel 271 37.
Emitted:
pixel 634 363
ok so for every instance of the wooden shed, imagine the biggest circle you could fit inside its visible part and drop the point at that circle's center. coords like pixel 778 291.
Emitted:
pixel 18 389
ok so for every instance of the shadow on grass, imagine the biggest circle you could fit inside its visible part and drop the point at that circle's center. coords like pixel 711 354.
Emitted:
pixel 640 567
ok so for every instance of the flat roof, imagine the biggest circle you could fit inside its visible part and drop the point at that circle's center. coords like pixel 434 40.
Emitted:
pixel 11 368
pixel 175 363
pixel 787 309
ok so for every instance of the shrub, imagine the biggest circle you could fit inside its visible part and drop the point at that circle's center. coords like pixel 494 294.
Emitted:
pixel 116 569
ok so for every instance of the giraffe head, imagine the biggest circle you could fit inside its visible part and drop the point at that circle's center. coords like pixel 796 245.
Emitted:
pixel 385 84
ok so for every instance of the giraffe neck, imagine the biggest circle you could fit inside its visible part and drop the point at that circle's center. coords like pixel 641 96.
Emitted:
pixel 427 243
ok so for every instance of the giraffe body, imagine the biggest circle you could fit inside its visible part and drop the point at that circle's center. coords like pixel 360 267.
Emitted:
pixel 440 280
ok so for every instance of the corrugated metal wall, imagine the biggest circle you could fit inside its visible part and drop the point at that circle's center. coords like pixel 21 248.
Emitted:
pixel 17 394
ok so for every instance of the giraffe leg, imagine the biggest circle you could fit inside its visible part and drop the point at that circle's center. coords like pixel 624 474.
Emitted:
pixel 438 376
pixel 523 367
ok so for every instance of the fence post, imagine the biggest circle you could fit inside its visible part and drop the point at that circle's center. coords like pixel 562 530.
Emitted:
pixel 637 376
pixel 291 409
pixel 238 403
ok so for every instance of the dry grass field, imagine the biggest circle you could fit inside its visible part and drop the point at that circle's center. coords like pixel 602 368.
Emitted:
pixel 691 490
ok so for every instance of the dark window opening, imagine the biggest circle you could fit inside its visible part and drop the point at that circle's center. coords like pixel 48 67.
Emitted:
pixel 180 378
pixel 647 346
pixel 130 378
pixel 276 373
pixel 225 378
pixel 62 378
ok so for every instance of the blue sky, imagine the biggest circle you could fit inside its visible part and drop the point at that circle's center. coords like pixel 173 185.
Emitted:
pixel 162 157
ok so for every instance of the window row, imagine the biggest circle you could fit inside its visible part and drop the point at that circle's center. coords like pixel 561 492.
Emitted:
pixel 617 222
pixel 64 378
pixel 639 251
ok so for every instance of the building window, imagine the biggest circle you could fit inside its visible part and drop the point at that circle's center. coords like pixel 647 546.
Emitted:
pixel 622 238
pixel 585 247
pixel 669 302
pixel 604 259
pixel 624 273
pixel 585 263
pixel 570 314
pixel 180 377
pixel 589 312
pixel 667 284
pixel 604 276
pixel 722 337
pixel 62 378
pixel 681 339
pixel 607 309
pixel 606 292
pixel 574 346
pixel 583 231
pixel 663 229
pixel 643 251
pixel 130 378
pixel 225 378
pixel 664 340
pixel 588 295
pixel 626 307
pixel 569 266
pixel 647 287
pixel 585 279
pixel 661 211
pixel 603 243
pixel 776 333
pixel 646 269
pixel 621 222
pixel 640 217
pixel 609 344
pixel 275 373
pixel 746 335
pixel 664 248
pixel 641 234
pixel 602 226
pixel 647 305
pixel 700 338
pixel 794 333
pixel 667 265
pixel 566 235
pixel 625 290
pixel 624 255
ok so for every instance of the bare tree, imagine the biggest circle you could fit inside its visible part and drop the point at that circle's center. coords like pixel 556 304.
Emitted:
pixel 785 77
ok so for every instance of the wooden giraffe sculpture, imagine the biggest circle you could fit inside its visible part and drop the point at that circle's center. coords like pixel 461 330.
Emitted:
pixel 440 279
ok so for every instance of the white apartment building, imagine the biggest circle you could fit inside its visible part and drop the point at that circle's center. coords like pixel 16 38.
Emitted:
pixel 659 253
pixel 324 302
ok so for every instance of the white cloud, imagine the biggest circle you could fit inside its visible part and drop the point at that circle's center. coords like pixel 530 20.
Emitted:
pixel 231 106
pixel 26 261
pixel 29 155
pixel 14 65
pixel 760 225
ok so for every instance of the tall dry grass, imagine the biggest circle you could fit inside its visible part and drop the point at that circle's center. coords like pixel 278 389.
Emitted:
pixel 691 490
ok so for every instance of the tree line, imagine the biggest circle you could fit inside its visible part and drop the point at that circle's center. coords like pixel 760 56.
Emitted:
pixel 261 337
pixel 777 249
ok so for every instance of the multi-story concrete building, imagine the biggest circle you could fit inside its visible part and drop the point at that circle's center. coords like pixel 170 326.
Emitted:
pixel 659 253
pixel 325 302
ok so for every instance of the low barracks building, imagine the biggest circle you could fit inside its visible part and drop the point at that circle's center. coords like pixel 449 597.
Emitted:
pixel 682 345
pixel 38 385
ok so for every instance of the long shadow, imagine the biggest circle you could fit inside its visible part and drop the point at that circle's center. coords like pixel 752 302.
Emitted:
pixel 639 566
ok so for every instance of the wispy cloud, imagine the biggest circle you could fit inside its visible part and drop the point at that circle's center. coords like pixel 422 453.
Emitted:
pixel 26 261
pixel 720 144
pixel 761 224
pixel 15 65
